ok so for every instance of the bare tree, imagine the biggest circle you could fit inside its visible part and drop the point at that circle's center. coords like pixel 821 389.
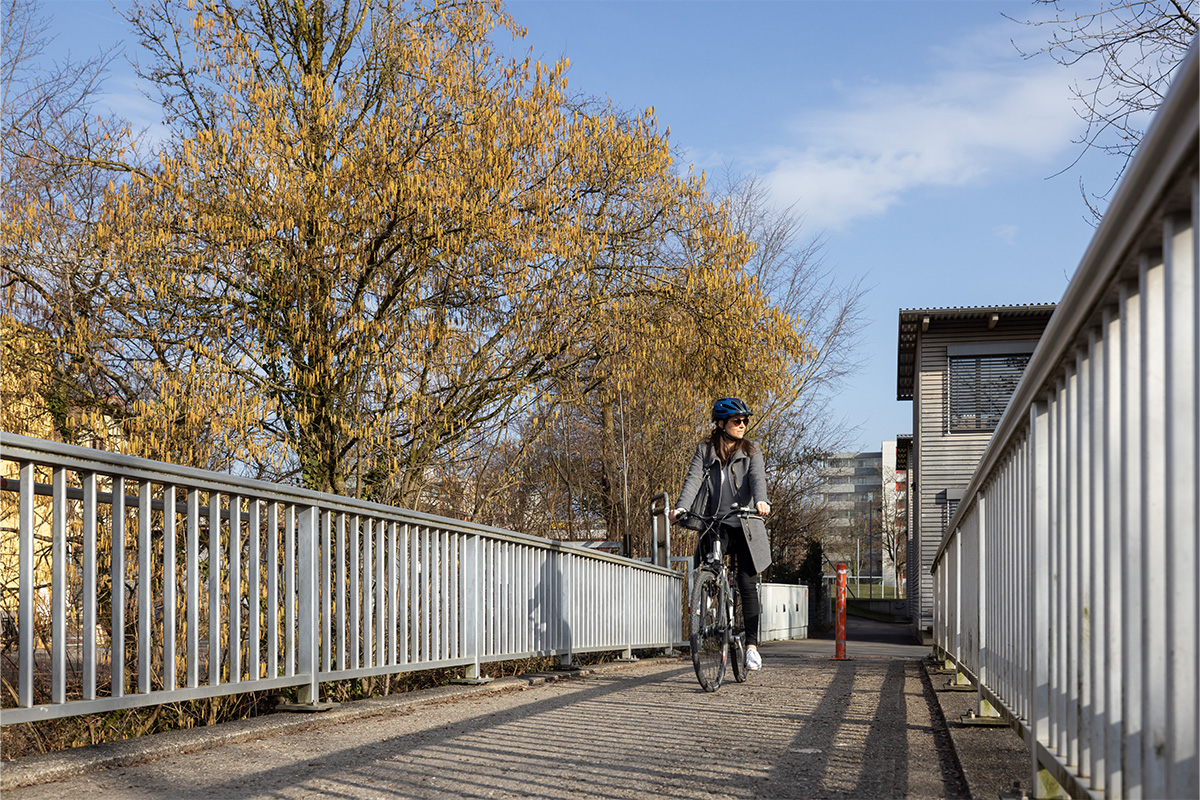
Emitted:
pixel 796 424
pixel 50 283
pixel 1132 48
pixel 893 527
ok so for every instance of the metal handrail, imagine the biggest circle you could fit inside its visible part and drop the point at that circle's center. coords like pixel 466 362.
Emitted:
pixel 302 587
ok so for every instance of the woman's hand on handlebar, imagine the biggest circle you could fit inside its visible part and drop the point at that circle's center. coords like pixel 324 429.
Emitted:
pixel 760 508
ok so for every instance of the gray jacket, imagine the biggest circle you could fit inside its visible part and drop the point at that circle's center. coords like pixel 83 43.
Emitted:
pixel 701 494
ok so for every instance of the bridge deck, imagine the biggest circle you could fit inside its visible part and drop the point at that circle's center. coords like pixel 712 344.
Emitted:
pixel 803 727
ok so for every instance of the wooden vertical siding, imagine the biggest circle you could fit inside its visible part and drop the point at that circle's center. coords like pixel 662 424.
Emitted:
pixel 942 460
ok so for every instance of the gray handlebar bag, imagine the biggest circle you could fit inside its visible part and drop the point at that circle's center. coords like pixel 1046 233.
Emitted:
pixel 755 531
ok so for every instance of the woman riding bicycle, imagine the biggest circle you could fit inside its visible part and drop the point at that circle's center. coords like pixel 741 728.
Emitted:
pixel 727 470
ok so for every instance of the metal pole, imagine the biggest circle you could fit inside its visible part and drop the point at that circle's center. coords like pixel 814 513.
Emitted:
pixel 840 617
pixel 858 567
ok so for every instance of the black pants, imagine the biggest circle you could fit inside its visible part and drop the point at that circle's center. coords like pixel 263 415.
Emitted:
pixel 733 544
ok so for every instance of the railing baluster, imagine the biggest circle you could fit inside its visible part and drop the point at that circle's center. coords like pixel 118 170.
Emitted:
pixel 429 608
pixel 169 601
pixel 414 588
pixel 272 589
pixel 1131 523
pixel 193 588
pixel 1180 608
pixel 471 603
pixel 235 588
pixel 89 586
pixel 145 596
pixel 394 593
pixel 380 593
pixel 455 604
pixel 340 568
pixel 403 534
pixel 26 641
pixel 326 556
pixel 254 590
pixel 1111 494
pixel 441 557
pixel 368 594
pixel 1099 589
pixel 1154 522
pixel 214 588
pixel 289 590
pixel 58 596
pixel 117 574
pixel 355 599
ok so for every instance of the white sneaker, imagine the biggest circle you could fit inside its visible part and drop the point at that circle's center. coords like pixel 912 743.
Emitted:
pixel 753 659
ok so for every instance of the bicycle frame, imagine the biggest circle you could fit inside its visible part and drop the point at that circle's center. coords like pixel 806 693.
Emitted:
pixel 713 633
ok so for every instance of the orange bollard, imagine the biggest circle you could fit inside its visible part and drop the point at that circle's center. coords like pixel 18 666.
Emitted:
pixel 840 617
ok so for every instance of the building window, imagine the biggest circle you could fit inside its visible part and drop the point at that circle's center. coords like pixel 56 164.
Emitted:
pixel 947 513
pixel 980 387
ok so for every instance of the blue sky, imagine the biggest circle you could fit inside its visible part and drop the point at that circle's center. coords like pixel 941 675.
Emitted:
pixel 909 133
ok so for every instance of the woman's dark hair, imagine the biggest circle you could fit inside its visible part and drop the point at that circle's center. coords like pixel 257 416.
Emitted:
pixel 718 443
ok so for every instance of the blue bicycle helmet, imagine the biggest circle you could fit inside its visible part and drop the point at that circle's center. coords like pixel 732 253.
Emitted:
pixel 728 407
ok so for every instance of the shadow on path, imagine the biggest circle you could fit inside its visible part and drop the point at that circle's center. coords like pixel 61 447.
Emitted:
pixel 862 629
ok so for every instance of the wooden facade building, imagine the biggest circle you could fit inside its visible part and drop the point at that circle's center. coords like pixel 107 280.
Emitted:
pixel 959 367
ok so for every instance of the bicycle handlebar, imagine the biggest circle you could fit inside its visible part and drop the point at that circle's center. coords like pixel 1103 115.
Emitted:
pixel 744 512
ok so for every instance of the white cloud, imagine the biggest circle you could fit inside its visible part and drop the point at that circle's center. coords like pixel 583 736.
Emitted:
pixel 1006 233
pixel 965 123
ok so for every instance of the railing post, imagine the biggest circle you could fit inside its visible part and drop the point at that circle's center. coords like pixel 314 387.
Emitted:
pixel 1039 599
pixel 660 548
pixel 565 607
pixel 986 711
pixel 306 565
pixel 628 573
pixel 472 607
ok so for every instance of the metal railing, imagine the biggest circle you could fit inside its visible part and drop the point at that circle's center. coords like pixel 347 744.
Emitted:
pixel 784 611
pixel 136 583
pixel 1066 586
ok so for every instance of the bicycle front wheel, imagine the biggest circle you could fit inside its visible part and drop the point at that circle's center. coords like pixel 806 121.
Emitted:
pixel 737 641
pixel 709 638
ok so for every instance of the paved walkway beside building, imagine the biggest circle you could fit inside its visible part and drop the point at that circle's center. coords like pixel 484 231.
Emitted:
pixel 803 727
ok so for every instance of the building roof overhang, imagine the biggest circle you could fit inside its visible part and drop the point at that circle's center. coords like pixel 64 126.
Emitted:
pixel 914 321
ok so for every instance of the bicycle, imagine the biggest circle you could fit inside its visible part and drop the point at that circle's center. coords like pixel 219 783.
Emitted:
pixel 717 624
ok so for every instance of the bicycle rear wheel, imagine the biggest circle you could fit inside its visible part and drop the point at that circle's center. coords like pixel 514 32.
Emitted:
pixel 709 638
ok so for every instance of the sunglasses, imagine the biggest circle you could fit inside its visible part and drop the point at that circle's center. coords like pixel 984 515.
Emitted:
pixel 739 420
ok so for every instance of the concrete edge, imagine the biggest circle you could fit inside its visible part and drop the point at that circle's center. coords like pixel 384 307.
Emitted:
pixel 985 756
pixel 49 767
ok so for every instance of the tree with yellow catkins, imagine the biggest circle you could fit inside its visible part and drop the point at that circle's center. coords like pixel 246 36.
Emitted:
pixel 369 241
